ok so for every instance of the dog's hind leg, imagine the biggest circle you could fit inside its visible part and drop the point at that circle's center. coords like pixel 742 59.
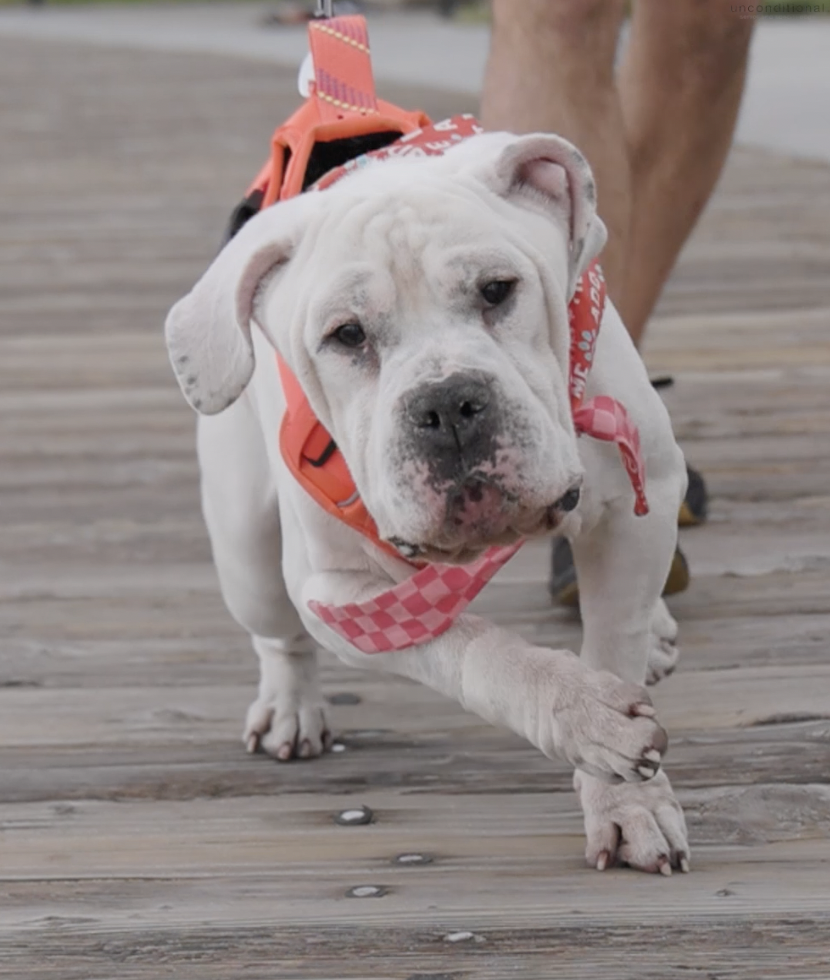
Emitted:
pixel 239 500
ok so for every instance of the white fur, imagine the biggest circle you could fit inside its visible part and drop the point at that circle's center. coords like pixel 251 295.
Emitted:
pixel 404 246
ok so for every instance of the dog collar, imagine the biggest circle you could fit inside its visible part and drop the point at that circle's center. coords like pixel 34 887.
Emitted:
pixel 340 128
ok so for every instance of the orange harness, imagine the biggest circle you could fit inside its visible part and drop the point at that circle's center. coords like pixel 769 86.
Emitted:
pixel 341 118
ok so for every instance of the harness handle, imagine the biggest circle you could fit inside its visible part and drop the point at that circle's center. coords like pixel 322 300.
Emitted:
pixel 325 8
pixel 343 81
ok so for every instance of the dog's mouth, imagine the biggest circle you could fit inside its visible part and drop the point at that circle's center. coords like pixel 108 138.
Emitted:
pixel 481 515
pixel 479 510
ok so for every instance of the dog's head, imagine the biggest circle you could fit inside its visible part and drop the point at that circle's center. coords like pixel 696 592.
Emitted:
pixel 422 305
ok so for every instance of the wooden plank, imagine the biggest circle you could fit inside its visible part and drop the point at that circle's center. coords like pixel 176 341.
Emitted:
pixel 692 700
pixel 388 948
pixel 295 836
pixel 456 758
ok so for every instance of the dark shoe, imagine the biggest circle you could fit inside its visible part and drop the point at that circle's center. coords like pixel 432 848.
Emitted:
pixel 562 583
pixel 564 588
pixel 695 504
pixel 678 578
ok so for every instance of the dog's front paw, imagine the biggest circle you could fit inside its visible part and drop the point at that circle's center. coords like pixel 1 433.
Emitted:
pixel 288 719
pixel 606 726
pixel 287 730
pixel 639 825
pixel 663 654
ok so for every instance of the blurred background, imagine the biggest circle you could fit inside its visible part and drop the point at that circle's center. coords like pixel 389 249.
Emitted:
pixel 444 43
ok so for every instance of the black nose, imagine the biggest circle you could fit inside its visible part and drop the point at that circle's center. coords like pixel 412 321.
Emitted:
pixel 452 414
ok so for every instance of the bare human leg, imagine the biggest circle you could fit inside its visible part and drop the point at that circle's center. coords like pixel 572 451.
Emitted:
pixel 551 69
pixel 680 87
pixel 656 138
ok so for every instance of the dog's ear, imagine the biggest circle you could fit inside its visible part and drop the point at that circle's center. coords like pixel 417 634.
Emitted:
pixel 550 173
pixel 209 331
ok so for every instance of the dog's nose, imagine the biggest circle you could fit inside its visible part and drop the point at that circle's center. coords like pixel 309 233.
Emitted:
pixel 452 414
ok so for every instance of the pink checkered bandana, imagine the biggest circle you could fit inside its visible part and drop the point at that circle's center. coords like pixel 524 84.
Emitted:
pixel 426 604
pixel 418 609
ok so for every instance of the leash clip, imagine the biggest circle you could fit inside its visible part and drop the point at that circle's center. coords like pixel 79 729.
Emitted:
pixel 325 8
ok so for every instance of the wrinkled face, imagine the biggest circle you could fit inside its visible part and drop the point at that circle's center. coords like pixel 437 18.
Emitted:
pixel 435 332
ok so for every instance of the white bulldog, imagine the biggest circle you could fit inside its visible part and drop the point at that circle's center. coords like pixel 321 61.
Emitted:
pixel 423 306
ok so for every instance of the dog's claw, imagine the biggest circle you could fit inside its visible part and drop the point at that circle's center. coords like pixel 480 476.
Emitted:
pixel 252 743
pixel 661 742
pixel 638 824
pixel 643 710
pixel 685 867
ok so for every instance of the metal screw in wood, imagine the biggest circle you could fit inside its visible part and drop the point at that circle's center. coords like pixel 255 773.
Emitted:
pixel 354 817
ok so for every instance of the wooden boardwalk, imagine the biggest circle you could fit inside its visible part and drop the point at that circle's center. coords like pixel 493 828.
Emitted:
pixel 137 840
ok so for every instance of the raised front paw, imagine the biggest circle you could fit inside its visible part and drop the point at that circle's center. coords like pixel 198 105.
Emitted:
pixel 639 825
pixel 605 726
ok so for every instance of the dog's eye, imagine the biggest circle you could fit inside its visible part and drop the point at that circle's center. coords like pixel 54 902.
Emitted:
pixel 497 290
pixel 350 335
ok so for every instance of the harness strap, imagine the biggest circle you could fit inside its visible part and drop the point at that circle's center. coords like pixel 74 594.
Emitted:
pixel 317 464
pixel 342 109
pixel 342 67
